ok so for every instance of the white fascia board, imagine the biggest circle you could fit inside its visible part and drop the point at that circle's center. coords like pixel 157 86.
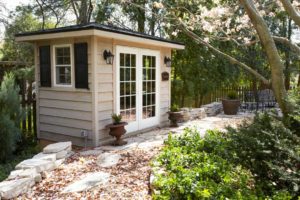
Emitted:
pixel 105 34
pixel 47 36
pixel 136 39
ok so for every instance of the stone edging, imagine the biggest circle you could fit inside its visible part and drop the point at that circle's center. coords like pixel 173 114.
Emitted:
pixel 31 171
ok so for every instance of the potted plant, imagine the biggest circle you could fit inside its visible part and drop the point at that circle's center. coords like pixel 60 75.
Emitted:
pixel 175 115
pixel 231 103
pixel 117 129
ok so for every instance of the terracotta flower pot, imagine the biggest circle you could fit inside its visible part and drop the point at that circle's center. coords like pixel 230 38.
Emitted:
pixel 231 106
pixel 175 117
pixel 117 130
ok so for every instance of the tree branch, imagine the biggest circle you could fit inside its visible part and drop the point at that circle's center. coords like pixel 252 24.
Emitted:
pixel 294 47
pixel 224 55
pixel 291 11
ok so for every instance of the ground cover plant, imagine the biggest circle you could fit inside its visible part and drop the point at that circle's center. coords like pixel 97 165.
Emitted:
pixel 258 160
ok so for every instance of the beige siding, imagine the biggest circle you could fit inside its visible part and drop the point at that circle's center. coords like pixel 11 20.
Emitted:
pixel 64 112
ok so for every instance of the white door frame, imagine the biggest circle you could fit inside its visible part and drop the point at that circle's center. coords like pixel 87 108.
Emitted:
pixel 140 123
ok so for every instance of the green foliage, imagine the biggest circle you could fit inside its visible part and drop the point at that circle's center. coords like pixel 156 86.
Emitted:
pixel 116 118
pixel 232 95
pixel 6 168
pixel 258 160
pixel 104 11
pixel 196 72
pixel 270 150
pixel 26 73
pixel 194 170
pixel 10 115
pixel 294 117
pixel 22 20
pixel 174 108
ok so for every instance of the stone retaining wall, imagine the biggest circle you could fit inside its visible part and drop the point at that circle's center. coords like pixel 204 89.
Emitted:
pixel 30 171
pixel 207 110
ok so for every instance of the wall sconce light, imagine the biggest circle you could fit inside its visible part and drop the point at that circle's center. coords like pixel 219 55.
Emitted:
pixel 168 61
pixel 108 57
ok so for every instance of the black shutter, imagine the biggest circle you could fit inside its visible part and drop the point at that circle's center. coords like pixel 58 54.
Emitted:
pixel 45 66
pixel 81 65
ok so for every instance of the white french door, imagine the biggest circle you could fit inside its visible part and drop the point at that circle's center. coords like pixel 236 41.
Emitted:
pixel 137 82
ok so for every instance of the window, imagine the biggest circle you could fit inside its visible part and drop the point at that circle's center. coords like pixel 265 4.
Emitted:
pixel 63 65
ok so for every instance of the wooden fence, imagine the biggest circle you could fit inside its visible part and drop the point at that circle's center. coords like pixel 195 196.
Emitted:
pixel 27 95
pixel 28 103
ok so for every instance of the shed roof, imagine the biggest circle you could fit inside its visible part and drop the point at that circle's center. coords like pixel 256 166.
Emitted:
pixel 96 29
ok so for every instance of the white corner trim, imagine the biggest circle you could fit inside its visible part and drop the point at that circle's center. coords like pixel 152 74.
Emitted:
pixel 95 122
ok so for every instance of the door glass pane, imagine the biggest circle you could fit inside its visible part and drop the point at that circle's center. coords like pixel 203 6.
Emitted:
pixel 128 83
pixel 149 89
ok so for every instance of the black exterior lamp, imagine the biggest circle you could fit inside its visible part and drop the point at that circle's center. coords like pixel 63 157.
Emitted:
pixel 168 61
pixel 108 57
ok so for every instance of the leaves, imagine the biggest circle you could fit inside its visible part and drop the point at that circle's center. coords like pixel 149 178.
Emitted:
pixel 129 178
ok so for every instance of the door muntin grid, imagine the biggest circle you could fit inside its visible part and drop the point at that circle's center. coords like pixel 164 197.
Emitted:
pixel 128 86
pixel 149 86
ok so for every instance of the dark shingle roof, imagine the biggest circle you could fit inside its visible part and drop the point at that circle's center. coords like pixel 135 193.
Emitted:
pixel 96 26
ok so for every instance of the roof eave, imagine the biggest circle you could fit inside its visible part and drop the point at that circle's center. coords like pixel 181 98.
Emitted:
pixel 100 33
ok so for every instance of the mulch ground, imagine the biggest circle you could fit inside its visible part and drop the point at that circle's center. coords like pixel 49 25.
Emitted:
pixel 129 178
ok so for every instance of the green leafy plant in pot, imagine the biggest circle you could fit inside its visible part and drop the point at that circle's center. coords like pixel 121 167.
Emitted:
pixel 231 104
pixel 117 129
pixel 175 115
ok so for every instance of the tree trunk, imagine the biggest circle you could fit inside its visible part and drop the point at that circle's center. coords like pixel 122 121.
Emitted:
pixel 141 21
pixel 269 46
pixel 288 7
pixel 153 20
pixel 43 14
pixel 288 34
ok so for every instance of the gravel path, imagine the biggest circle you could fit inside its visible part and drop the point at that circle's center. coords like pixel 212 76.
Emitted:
pixel 129 178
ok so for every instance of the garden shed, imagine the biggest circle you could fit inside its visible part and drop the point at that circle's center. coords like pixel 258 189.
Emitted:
pixel 84 73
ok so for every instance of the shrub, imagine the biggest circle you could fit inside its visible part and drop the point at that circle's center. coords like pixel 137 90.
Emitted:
pixel 116 118
pixel 232 95
pixel 7 167
pixel 174 108
pixel 193 169
pixel 10 115
pixel 294 117
pixel 255 161
pixel 270 150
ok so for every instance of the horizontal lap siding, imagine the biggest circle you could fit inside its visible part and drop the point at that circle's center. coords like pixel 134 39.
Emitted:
pixel 64 112
pixel 78 141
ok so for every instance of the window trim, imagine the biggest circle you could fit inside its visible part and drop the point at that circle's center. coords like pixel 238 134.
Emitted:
pixel 71 63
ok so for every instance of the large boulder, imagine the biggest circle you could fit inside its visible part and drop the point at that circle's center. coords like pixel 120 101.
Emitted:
pixel 13 188
pixel 38 164
pixel 57 147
